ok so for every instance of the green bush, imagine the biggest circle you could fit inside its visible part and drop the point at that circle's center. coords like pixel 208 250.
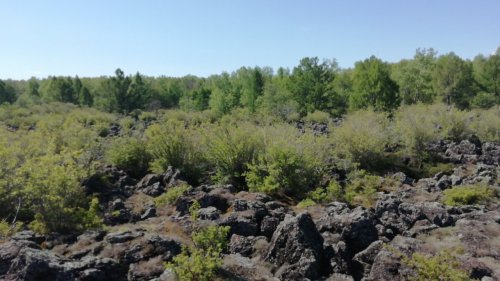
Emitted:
pixel 308 202
pixel 231 149
pixel 443 266
pixel 415 127
pixel 52 193
pixel 486 124
pixel 363 137
pixel 468 195
pixel 172 144
pixel 7 229
pixel 317 117
pixel 201 261
pixel 324 195
pixel 455 123
pixel 280 170
pixel 131 155
pixel 171 195
pixel 362 188
pixel 484 100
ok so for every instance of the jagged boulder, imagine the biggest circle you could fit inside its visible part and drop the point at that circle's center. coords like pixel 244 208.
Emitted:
pixel 296 248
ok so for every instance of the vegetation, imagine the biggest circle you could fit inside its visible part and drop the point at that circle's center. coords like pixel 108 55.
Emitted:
pixel 201 261
pixel 240 128
pixel 443 266
pixel 468 195
pixel 171 195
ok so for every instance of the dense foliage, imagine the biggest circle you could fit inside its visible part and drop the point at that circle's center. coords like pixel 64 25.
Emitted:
pixel 252 128
pixel 201 261
pixel 312 85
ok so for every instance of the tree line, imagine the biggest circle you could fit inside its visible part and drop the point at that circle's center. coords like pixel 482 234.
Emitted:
pixel 312 85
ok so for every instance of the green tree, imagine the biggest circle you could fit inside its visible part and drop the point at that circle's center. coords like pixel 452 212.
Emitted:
pixel 373 86
pixel 453 80
pixel 7 93
pixel 310 84
pixel 414 77
pixel 59 89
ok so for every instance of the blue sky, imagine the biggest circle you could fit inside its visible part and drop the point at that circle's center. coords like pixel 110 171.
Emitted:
pixel 175 38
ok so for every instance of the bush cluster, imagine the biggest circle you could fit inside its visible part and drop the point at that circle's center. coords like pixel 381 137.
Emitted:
pixel 201 261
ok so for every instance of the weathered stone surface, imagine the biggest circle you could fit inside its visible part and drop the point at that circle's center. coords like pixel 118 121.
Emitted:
pixel 297 249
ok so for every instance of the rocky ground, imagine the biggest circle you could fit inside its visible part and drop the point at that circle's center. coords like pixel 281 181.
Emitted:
pixel 270 240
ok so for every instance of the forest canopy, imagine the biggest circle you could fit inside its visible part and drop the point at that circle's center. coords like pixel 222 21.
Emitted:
pixel 312 85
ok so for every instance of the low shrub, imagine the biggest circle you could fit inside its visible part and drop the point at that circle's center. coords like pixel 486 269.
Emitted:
pixel 171 195
pixel 362 188
pixel 443 266
pixel 280 169
pixel 468 195
pixel 201 261
pixel 317 117
pixel 7 229
pixel 308 202
pixel 363 138
pixel 231 149
pixel 131 155
pixel 172 144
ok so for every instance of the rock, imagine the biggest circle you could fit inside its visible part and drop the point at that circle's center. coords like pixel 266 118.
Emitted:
pixel 444 182
pixel 148 180
pixel 237 267
pixel 209 213
pixel 420 227
pixel 339 277
pixel 154 190
pixel 387 264
pixel 366 257
pixel 171 177
pixel 402 178
pixel 146 270
pixel 490 153
pixel 29 235
pixel 240 225
pixel 149 213
pixel 436 213
pixel 297 249
pixel 117 205
pixel 268 226
pixel 455 180
pixel 120 237
pixel 477 269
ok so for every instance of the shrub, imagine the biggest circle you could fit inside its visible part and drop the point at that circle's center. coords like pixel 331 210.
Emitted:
pixel 171 195
pixel 317 117
pixel 362 188
pixel 363 137
pixel 130 154
pixel 7 229
pixel 201 261
pixel 172 144
pixel 415 127
pixel 280 169
pixel 308 202
pixel 52 192
pixel 324 195
pixel 484 100
pixel 230 150
pixel 443 266
pixel 485 124
pixel 468 195
pixel 455 123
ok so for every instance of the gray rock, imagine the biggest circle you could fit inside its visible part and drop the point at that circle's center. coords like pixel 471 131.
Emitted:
pixel 297 249
pixel 120 237
pixel 209 213
pixel 29 235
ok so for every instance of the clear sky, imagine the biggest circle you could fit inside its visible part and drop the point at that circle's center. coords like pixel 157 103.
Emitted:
pixel 175 38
